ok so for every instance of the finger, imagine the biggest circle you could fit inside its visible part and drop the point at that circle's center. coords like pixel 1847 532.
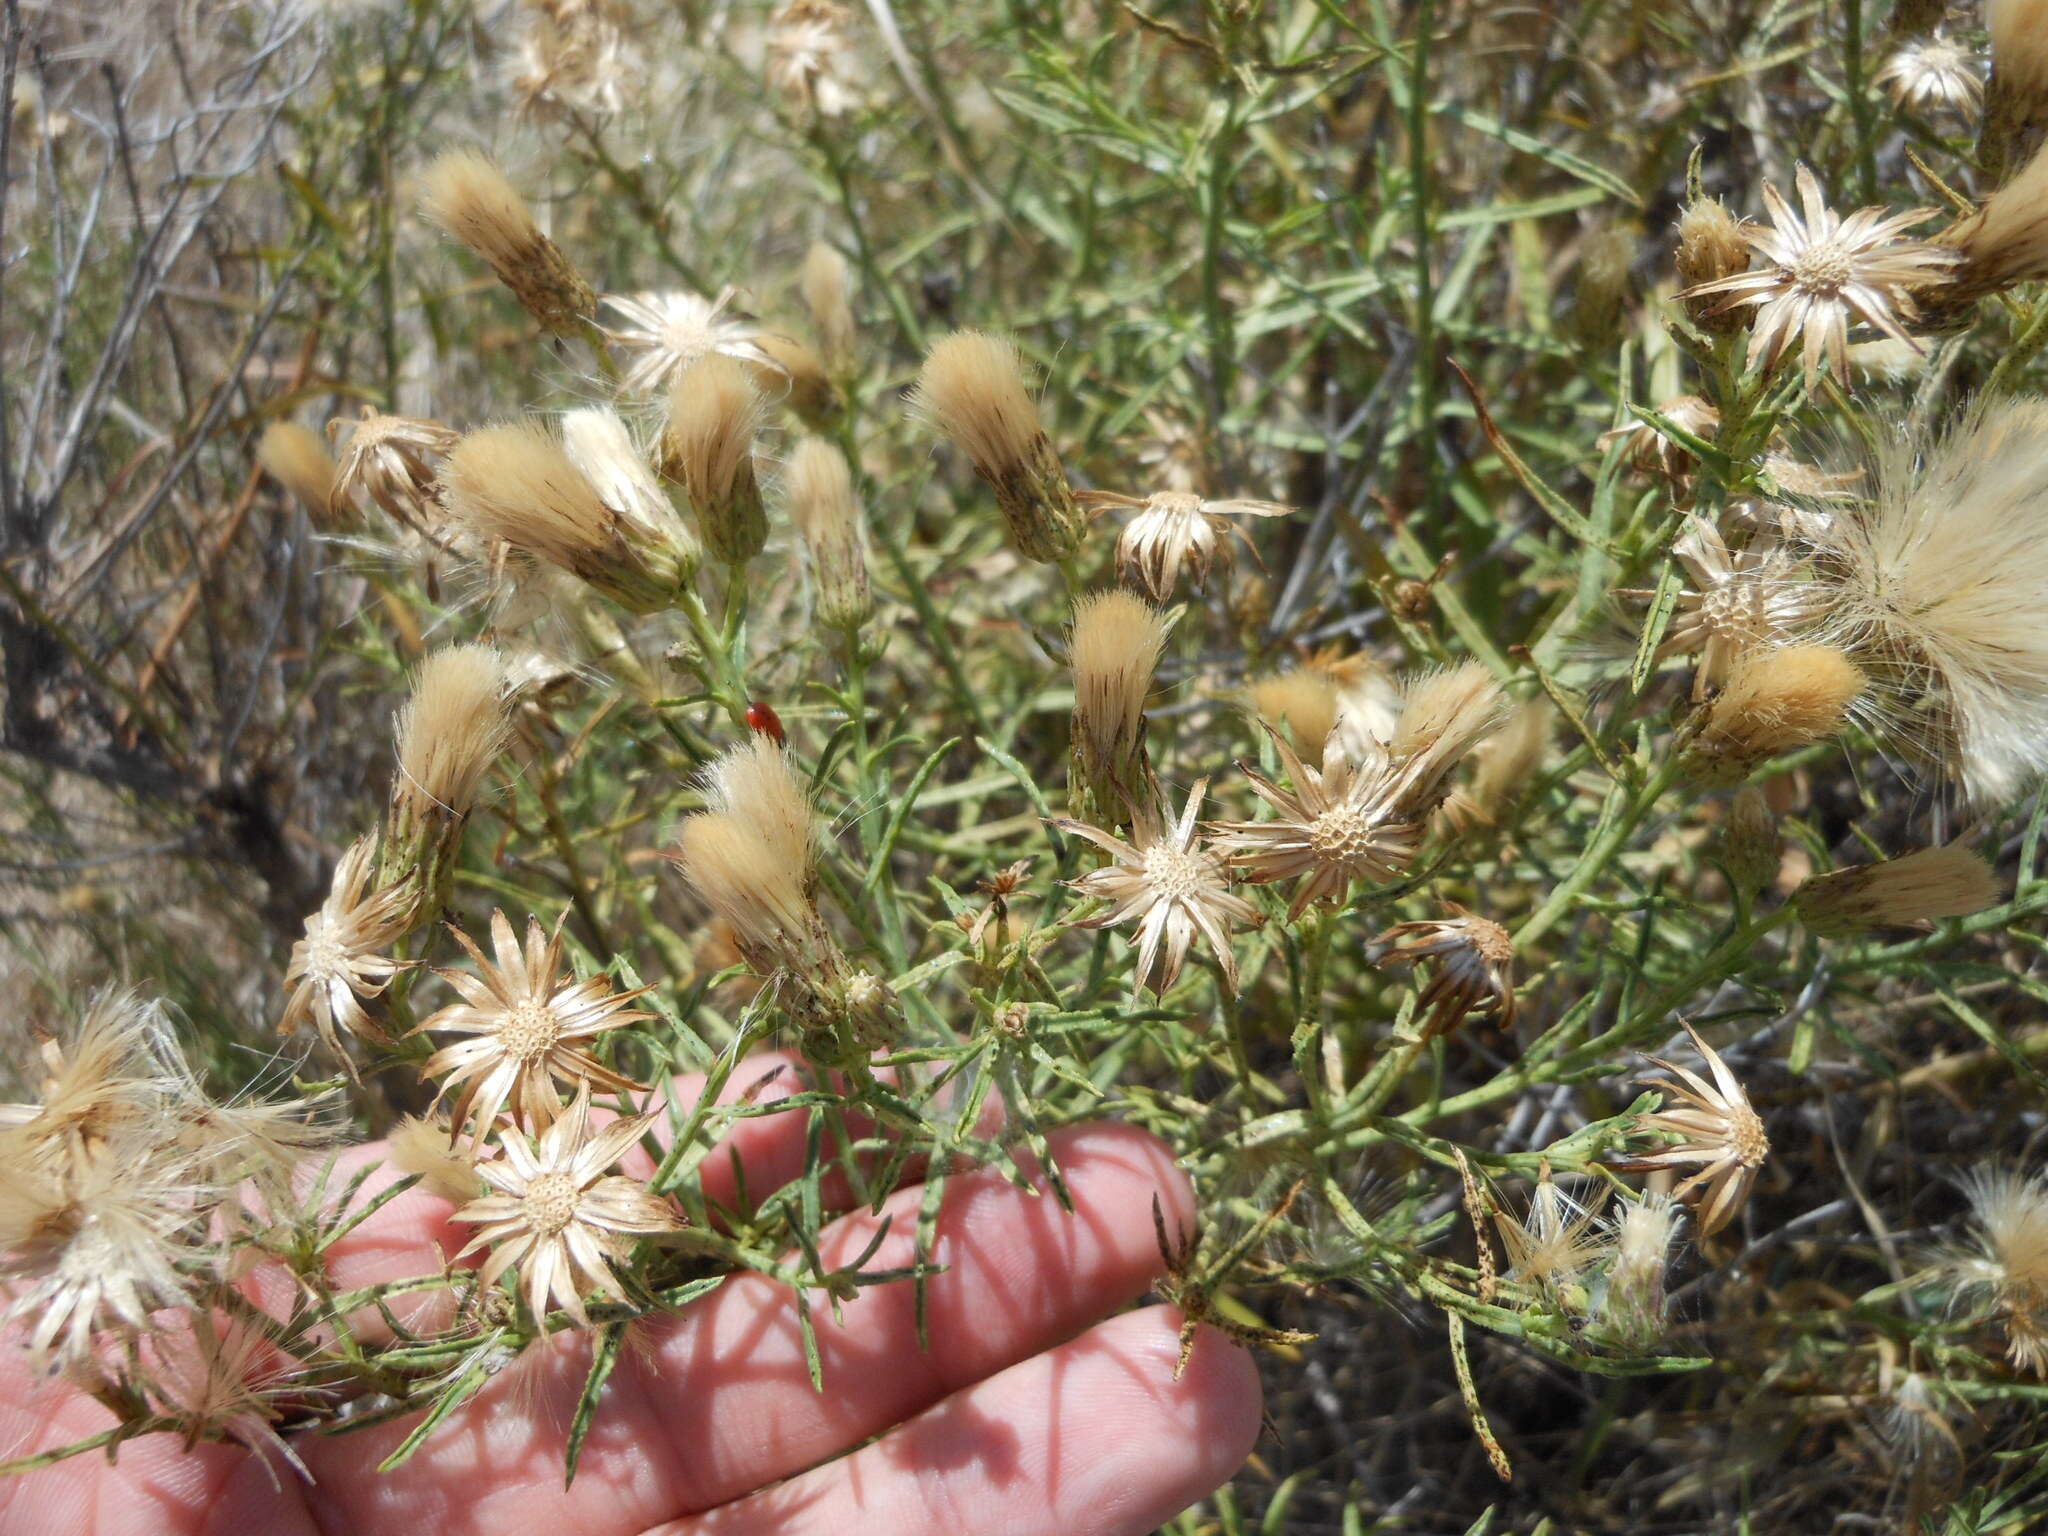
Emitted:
pixel 719 1401
pixel 1095 1438
pixel 410 1236
pixel 156 1488
pixel 413 1235
pixel 759 1154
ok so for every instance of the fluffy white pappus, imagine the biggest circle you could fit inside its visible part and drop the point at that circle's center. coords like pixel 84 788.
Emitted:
pixel 1940 583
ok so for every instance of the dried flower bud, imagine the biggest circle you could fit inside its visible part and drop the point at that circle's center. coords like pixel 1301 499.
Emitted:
pixel 2002 243
pixel 1750 849
pixel 1116 643
pixel 2016 105
pixel 1774 701
pixel 450 732
pixel 1305 700
pixel 714 413
pixel 1907 892
pixel 598 443
pixel 797 375
pixel 819 486
pixel 972 390
pixel 1710 248
pixel 826 285
pixel 297 460
pixel 517 484
pixel 470 198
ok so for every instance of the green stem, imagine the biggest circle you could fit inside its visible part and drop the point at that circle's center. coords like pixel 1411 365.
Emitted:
pixel 1608 841
pixel 1308 1029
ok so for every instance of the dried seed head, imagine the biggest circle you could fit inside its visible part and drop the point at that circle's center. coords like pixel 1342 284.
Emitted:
pixel 2004 242
pixel 518 485
pixel 714 413
pixel 2005 1267
pixel 1750 848
pixel 796 375
pixel 751 856
pixel 470 198
pixel 428 1150
pixel 2016 106
pixel 1710 247
pixel 826 285
pixel 1444 715
pixel 297 460
pixel 1556 1244
pixel 1506 764
pixel 1117 639
pixel 819 486
pixel 450 732
pixel 1774 701
pixel 599 445
pixel 1305 701
pixel 972 390
pixel 1934 584
pixel 1907 892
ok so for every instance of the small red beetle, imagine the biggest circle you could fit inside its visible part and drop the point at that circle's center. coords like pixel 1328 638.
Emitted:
pixel 764 719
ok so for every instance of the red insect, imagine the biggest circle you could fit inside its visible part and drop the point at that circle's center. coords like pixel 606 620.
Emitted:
pixel 763 718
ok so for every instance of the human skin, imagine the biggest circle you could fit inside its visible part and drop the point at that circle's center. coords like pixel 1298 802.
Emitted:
pixel 1041 1405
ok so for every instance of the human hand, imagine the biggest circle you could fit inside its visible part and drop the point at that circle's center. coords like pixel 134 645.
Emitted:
pixel 1028 1413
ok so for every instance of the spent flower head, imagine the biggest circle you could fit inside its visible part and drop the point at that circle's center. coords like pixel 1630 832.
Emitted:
pixel 972 390
pixel 1172 532
pixel 1933 74
pixel 518 484
pixel 557 1211
pixel 1472 964
pixel 1911 891
pixel 393 460
pixel 1171 884
pixel 1719 1138
pixel 529 1024
pixel 469 197
pixel 2005 1266
pixel 344 957
pixel 715 411
pixel 672 328
pixel 1822 273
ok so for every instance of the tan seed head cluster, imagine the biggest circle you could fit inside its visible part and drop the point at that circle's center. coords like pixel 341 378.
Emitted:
pixel 827 514
pixel 468 196
pixel 1907 892
pixel 1774 701
pixel 714 414
pixel 972 390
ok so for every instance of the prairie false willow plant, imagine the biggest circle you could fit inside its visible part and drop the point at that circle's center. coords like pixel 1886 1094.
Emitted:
pixel 896 737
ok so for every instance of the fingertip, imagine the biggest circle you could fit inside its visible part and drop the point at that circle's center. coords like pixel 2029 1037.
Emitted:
pixel 1219 1397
